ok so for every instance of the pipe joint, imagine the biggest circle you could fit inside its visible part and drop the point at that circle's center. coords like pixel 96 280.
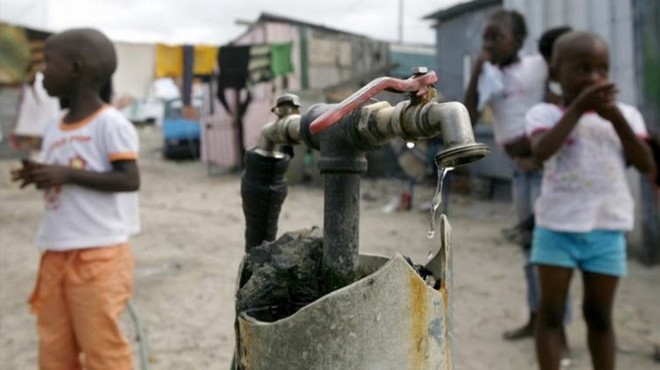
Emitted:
pixel 367 131
pixel 284 131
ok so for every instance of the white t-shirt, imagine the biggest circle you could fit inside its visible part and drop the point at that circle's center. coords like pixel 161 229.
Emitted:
pixel 78 217
pixel 523 86
pixel 584 183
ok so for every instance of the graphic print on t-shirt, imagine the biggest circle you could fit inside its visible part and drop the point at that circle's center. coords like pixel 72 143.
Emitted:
pixel 52 197
pixel 78 163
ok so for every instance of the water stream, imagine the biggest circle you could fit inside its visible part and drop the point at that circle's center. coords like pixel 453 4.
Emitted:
pixel 435 203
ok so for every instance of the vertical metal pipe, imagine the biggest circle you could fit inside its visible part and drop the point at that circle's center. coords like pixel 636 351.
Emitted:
pixel 341 165
pixel 237 121
pixel 341 229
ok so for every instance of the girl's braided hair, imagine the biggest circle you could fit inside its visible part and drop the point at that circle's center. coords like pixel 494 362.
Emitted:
pixel 515 20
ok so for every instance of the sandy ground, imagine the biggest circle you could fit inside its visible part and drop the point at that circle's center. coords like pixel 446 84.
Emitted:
pixel 192 241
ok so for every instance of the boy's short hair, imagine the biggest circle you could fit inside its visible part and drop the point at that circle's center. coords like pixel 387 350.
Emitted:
pixel 95 50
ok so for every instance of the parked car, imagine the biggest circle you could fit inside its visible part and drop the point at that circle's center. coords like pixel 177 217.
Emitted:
pixel 181 135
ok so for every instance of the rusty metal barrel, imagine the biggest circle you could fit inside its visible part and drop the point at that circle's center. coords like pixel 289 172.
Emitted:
pixel 389 319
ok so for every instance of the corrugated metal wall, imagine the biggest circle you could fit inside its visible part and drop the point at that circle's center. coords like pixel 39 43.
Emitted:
pixel 632 29
pixel 611 19
pixel 647 46
pixel 647 49
pixel 457 40
pixel 408 56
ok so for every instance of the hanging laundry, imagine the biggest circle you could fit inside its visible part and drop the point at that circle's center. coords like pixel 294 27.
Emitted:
pixel 37 58
pixel 233 64
pixel 169 61
pixel 205 57
pixel 186 86
pixel 136 68
pixel 14 54
pixel 259 66
pixel 281 63
pixel 36 109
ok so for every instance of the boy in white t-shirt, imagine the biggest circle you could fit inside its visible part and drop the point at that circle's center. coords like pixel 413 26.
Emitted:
pixel 89 176
pixel 585 205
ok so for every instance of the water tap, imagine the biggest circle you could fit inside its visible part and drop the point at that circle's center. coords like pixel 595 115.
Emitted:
pixel 370 126
pixel 283 131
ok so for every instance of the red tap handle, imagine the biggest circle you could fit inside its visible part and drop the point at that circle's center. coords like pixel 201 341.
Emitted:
pixel 420 84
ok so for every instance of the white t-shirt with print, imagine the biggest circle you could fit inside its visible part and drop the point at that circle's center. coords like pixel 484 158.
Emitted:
pixel 78 217
pixel 523 86
pixel 584 183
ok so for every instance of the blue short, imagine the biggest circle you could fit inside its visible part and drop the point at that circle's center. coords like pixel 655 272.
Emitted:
pixel 598 251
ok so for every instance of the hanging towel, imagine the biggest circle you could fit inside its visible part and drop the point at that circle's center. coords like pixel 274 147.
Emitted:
pixel 280 56
pixel 37 57
pixel 36 109
pixel 205 57
pixel 233 64
pixel 259 65
pixel 490 83
pixel 169 61
pixel 14 54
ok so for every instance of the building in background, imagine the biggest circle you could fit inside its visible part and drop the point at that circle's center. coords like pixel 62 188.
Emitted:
pixel 321 57
pixel 458 41
pixel 405 57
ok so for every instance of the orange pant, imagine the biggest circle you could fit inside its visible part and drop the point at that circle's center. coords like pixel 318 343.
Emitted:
pixel 78 297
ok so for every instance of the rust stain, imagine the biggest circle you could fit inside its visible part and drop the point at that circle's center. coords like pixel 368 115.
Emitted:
pixel 444 294
pixel 419 314
pixel 244 340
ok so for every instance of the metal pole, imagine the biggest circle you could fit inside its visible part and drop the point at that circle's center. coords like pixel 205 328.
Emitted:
pixel 341 229
pixel 341 165
pixel 400 21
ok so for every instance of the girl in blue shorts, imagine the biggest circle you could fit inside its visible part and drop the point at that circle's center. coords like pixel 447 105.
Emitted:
pixel 585 206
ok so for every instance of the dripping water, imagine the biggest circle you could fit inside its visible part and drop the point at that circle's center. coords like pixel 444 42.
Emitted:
pixel 435 204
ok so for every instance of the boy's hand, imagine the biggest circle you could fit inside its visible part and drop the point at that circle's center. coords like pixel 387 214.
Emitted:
pixel 24 173
pixel 47 176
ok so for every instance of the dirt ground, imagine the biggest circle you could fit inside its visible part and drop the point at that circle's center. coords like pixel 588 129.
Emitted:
pixel 192 242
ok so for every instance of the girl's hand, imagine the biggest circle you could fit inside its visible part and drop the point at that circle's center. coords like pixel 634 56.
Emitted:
pixel 595 97
pixel 482 58
pixel 608 109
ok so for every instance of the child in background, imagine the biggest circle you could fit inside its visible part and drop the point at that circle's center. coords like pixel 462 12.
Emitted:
pixel 89 176
pixel 546 43
pixel 511 84
pixel 585 205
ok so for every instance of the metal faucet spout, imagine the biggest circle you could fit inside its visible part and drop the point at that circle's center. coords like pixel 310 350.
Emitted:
pixel 380 123
pixel 457 135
